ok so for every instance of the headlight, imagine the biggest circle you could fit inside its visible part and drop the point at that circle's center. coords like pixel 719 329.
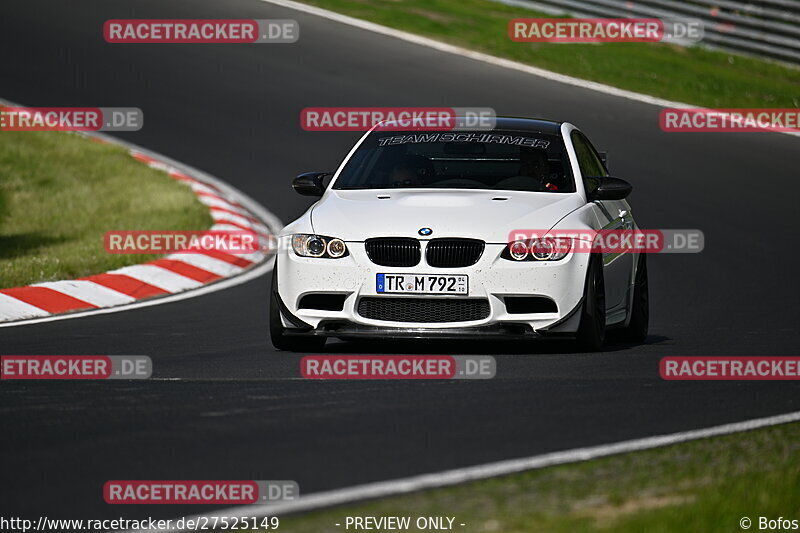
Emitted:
pixel 318 246
pixel 336 248
pixel 518 250
pixel 545 249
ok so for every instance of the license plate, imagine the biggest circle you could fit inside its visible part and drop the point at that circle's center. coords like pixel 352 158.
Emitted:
pixel 422 284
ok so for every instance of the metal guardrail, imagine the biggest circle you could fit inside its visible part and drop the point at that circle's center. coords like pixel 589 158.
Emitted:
pixel 766 28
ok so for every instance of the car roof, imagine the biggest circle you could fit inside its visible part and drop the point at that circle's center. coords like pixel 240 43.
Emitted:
pixel 528 124
pixel 514 124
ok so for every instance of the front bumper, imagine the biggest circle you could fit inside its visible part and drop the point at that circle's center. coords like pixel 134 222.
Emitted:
pixel 491 279
pixel 341 329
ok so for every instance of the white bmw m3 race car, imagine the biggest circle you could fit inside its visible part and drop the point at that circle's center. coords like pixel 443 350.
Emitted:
pixel 414 237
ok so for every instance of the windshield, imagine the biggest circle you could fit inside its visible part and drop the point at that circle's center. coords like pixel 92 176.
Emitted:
pixel 496 160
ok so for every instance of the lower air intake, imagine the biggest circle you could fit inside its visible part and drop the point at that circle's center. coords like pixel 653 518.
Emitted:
pixel 430 310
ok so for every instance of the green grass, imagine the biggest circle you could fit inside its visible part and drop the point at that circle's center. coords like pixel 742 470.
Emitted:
pixel 59 193
pixel 700 486
pixel 692 75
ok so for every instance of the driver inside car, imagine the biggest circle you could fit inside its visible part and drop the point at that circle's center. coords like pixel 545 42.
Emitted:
pixel 534 172
pixel 412 171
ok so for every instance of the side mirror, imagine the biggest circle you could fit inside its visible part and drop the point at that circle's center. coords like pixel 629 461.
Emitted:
pixel 310 183
pixel 609 188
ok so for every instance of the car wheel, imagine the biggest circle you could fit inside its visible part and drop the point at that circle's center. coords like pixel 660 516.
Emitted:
pixel 592 328
pixel 277 332
pixel 636 331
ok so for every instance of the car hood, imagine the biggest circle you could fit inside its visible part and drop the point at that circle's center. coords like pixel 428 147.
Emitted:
pixel 486 215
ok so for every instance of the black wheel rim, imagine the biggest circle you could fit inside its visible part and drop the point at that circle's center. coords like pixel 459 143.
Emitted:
pixel 641 289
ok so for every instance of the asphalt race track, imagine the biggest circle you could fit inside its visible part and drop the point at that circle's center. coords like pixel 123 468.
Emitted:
pixel 226 405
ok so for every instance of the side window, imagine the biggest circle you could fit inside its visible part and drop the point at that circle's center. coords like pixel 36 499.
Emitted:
pixel 589 162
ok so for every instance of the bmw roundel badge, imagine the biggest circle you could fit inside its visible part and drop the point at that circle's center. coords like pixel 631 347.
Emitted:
pixel 425 231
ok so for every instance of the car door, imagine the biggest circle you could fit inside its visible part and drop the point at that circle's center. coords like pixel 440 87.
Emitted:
pixel 612 215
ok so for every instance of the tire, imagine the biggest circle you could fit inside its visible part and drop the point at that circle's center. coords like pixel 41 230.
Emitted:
pixel 277 333
pixel 636 331
pixel 592 329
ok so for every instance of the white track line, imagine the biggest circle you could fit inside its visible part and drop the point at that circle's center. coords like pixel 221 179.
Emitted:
pixel 486 58
pixel 479 56
pixel 501 468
